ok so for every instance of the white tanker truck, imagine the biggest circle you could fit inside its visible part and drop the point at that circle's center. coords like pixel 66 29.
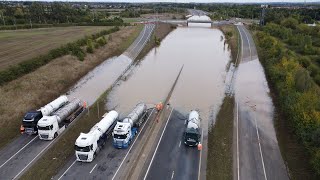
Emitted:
pixel 89 144
pixel 49 127
pixel 125 131
pixel 192 134
pixel 31 118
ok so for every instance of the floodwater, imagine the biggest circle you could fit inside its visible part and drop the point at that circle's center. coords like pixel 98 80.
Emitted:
pixel 97 81
pixel 201 86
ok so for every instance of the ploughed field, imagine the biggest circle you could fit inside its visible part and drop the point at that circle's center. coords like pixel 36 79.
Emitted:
pixel 19 45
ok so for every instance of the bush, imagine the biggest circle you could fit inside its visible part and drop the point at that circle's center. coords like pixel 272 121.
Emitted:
pixel 89 46
pixel 101 41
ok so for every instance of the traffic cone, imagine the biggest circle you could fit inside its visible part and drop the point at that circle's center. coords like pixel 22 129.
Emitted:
pixel 199 146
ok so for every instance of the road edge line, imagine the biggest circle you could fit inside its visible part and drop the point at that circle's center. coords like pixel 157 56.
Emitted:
pixel 164 129
pixel 132 146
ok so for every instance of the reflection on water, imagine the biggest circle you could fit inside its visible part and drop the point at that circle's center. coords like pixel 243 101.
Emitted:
pixel 97 81
pixel 201 85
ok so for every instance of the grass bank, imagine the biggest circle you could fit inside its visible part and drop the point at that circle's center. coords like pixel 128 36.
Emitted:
pixel 233 39
pixel 160 32
pixel 56 157
pixel 220 138
pixel 296 155
pixel 31 91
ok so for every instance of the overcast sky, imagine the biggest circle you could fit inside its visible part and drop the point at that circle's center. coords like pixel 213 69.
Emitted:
pixel 186 1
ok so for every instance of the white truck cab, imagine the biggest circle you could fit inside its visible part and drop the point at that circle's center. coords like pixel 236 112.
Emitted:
pixel 48 128
pixel 122 135
pixel 85 147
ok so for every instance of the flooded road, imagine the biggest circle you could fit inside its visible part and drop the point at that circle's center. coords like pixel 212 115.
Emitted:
pixel 92 85
pixel 201 85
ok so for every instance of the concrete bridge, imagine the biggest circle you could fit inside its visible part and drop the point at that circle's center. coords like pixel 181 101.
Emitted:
pixel 199 21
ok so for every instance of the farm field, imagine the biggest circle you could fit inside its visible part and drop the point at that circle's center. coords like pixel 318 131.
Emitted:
pixel 19 45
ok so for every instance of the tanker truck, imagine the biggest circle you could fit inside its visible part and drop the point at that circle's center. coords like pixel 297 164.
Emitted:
pixel 192 134
pixel 49 127
pixel 125 131
pixel 31 118
pixel 88 145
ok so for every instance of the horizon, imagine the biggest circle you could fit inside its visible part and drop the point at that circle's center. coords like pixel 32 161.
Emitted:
pixel 179 1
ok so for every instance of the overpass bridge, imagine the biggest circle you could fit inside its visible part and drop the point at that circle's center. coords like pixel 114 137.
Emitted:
pixel 200 21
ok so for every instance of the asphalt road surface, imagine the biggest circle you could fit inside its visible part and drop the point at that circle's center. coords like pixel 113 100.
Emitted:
pixel 20 154
pixel 136 47
pixel 173 159
pixel 256 153
pixel 107 162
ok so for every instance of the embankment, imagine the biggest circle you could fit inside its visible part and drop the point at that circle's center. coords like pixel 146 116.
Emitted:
pixel 37 88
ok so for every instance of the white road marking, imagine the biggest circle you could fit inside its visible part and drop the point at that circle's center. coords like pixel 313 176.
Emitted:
pixel 238 168
pixel 93 168
pixel 179 143
pixel 172 175
pixel 145 176
pixel 34 159
pixel 67 169
pixel 248 43
pixel 132 146
pixel 262 161
pixel 18 152
pixel 200 156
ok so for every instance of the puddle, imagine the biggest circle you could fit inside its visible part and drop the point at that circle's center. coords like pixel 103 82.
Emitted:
pixel 202 82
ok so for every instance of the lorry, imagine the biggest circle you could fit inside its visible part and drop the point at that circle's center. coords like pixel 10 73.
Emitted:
pixel 88 145
pixel 125 131
pixel 31 118
pixel 49 127
pixel 192 133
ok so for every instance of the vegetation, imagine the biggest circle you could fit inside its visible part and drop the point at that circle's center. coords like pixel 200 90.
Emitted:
pixel 73 48
pixel 220 138
pixel 54 159
pixel 233 39
pixel 289 51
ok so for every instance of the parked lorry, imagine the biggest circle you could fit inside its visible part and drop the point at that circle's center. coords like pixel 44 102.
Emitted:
pixel 125 131
pixel 49 127
pixel 31 118
pixel 89 144
pixel 192 134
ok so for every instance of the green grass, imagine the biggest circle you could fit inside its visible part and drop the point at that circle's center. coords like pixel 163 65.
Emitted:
pixel 56 157
pixel 220 138
pixel 130 40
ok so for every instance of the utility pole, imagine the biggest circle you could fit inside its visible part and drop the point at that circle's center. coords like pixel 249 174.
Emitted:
pixel 263 12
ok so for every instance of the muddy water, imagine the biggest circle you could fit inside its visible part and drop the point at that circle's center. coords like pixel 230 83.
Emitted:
pixel 97 81
pixel 202 83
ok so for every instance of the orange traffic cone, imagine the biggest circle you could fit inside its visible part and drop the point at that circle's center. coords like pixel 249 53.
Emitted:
pixel 199 146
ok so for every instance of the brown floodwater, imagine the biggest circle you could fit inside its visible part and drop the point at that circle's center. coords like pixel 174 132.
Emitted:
pixel 91 86
pixel 201 86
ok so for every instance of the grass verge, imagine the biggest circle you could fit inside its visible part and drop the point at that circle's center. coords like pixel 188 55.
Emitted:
pixel 52 75
pixel 54 158
pixel 160 32
pixel 233 39
pixel 220 138
pixel 296 157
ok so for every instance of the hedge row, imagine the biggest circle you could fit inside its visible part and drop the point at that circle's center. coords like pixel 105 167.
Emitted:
pixel 297 94
pixel 32 64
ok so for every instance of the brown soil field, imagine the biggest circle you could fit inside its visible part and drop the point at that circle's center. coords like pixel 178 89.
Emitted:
pixel 19 45
pixel 49 81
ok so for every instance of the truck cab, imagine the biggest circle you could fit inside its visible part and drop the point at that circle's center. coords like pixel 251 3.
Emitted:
pixel 192 137
pixel 122 135
pixel 29 122
pixel 48 128
pixel 85 148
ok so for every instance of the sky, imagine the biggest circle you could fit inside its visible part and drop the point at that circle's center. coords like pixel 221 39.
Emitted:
pixel 187 1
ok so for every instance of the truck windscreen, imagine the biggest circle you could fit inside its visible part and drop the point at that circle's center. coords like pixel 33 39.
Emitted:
pixel 28 123
pixel 44 128
pixel 82 149
pixel 117 136
pixel 191 136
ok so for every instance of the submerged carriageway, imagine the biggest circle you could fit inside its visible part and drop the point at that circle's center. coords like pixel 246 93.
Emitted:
pixel 19 155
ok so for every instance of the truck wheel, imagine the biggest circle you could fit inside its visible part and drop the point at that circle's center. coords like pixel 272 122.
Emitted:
pixel 55 135
pixel 94 155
